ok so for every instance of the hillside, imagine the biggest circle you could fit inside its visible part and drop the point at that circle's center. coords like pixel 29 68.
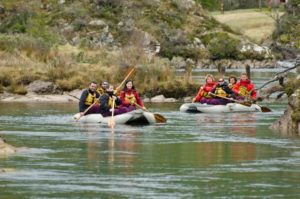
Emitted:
pixel 72 42
pixel 254 24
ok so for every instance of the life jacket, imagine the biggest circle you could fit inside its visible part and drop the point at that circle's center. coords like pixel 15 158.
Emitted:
pixel 130 98
pixel 101 91
pixel 220 92
pixel 206 95
pixel 243 91
pixel 207 88
pixel 90 99
pixel 110 102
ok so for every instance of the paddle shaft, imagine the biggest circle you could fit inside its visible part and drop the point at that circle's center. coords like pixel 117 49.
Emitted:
pixel 86 110
pixel 111 123
pixel 226 98
pixel 127 76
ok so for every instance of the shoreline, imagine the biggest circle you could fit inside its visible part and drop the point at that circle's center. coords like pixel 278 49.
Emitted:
pixel 71 97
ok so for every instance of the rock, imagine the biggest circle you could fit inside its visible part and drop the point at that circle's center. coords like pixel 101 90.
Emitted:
pixel 6 149
pixel 42 87
pixel 146 99
pixel 187 99
pixel 159 98
pixel 2 9
pixel 287 124
pixel 170 100
pixel 97 23
pixel 185 5
pixel 178 62
pixel 75 93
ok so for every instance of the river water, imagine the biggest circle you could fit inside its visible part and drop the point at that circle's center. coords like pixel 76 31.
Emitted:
pixel 231 155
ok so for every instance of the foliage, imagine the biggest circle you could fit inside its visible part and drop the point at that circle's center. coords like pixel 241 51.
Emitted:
pixel 223 46
pixel 18 89
pixel 1 88
pixel 176 89
pixel 210 4
pixel 291 86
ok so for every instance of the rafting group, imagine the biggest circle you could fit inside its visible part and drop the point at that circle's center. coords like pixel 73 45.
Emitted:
pixel 101 104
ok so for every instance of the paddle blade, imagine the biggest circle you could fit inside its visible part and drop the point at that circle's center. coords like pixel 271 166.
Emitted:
pixel 159 118
pixel 265 109
pixel 246 103
pixel 111 122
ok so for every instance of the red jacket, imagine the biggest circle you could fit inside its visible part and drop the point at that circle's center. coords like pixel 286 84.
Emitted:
pixel 130 95
pixel 245 85
pixel 203 91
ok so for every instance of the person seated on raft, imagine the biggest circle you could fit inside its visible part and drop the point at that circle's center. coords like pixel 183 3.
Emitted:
pixel 130 97
pixel 221 90
pixel 88 97
pixel 106 102
pixel 104 85
pixel 203 96
pixel 244 89
pixel 232 80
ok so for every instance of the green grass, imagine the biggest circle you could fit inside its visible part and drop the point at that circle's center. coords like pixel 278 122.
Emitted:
pixel 254 24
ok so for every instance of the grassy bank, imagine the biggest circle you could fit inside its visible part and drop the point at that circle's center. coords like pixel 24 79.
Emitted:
pixel 72 68
pixel 255 24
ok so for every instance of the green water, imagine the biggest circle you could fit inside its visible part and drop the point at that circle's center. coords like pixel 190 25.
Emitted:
pixel 192 156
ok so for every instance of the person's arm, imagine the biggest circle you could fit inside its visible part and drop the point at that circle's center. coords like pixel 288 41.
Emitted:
pixel 199 95
pixel 235 88
pixel 104 106
pixel 82 99
pixel 228 90
pixel 213 90
pixel 118 101
pixel 252 91
pixel 138 99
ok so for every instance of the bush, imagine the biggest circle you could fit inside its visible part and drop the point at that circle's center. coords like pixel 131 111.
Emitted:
pixel 18 89
pixel 176 89
pixel 1 88
pixel 223 46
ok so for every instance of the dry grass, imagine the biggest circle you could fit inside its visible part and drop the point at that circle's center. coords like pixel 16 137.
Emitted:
pixel 255 25
pixel 71 68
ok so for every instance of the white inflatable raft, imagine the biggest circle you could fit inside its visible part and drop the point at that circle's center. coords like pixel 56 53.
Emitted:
pixel 228 108
pixel 137 117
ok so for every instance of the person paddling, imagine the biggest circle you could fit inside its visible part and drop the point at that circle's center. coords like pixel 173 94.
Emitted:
pixel 203 96
pixel 106 101
pixel 130 97
pixel 245 89
pixel 223 91
pixel 232 80
pixel 88 97
pixel 104 85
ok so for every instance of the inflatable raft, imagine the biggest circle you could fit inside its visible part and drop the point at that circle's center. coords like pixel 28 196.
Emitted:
pixel 228 108
pixel 136 117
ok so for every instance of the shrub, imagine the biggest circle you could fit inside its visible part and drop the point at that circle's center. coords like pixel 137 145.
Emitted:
pixel 18 89
pixel 223 46
pixel 6 78
pixel 1 88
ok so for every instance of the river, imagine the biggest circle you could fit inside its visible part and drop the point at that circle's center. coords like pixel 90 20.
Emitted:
pixel 231 155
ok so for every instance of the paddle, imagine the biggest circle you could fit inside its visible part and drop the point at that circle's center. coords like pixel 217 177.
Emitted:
pixel 86 110
pixel 111 122
pixel 127 76
pixel 158 117
pixel 247 103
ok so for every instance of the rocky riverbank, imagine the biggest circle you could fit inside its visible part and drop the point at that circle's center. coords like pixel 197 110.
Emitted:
pixel 289 122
